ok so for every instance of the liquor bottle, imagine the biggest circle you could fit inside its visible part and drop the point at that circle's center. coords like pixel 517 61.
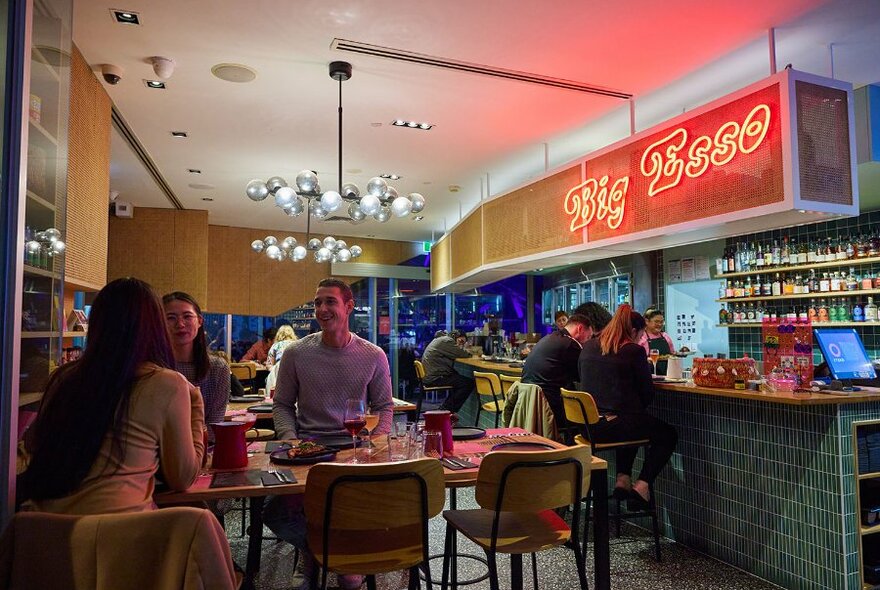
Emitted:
pixel 823 314
pixel 767 287
pixel 811 252
pixel 777 286
pixel 840 252
pixel 723 317
pixel 728 291
pixel 813 312
pixel 871 311
pixel 737 259
pixel 830 251
pixel 773 315
pixel 738 288
pixel 787 285
pixel 753 256
pixel 858 312
pixel 866 282
pixel 28 236
pixel 759 257
pixel 820 251
pixel 784 252
pixel 750 313
pixel 776 253
pixel 759 312
pixel 843 314
pixel 722 290
pixel 851 283
pixel 731 263
pixel 824 283
pixel 813 282
pixel 768 256
pixel 749 288
pixel 802 253
pixel 720 266
pixel 850 249
pixel 737 314
pixel 832 311
pixel 836 283
pixel 804 285
pixel 803 315
pixel 792 315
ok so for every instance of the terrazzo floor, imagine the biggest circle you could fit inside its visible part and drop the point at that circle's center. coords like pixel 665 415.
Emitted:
pixel 632 564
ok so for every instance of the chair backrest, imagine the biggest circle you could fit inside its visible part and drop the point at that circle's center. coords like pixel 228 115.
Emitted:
pixel 170 548
pixel 420 369
pixel 488 384
pixel 508 381
pixel 580 407
pixel 372 518
pixel 244 371
pixel 533 481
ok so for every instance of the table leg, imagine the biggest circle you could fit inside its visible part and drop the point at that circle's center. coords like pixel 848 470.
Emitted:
pixel 255 542
pixel 601 548
pixel 453 545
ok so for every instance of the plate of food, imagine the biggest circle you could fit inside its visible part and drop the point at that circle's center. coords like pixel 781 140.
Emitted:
pixel 522 446
pixel 303 453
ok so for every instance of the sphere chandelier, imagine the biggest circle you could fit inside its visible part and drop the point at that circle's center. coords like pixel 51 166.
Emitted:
pixel 381 201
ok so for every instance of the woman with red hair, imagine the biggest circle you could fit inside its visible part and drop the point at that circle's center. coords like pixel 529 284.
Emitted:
pixel 616 372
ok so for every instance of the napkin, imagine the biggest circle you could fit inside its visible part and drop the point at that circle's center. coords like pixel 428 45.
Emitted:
pixel 269 479
pixel 229 479
pixel 459 464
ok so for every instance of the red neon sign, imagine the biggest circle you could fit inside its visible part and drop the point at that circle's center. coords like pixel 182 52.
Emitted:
pixel 716 162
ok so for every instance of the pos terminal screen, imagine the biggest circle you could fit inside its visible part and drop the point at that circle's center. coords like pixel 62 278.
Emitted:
pixel 845 354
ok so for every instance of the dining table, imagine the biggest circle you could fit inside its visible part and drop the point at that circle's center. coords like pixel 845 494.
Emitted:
pixel 470 450
pixel 401 406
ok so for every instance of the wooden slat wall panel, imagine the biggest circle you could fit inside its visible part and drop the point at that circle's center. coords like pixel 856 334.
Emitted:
pixel 466 244
pixel 88 178
pixel 143 247
pixel 530 220
pixel 440 267
pixel 229 276
pixel 190 261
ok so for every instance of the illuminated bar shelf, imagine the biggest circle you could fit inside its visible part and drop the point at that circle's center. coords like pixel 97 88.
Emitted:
pixel 818 295
pixel 809 266
pixel 815 325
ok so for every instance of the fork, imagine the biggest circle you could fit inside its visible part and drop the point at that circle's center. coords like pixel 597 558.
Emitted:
pixel 274 471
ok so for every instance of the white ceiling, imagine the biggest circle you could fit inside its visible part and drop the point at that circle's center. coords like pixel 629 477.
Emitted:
pixel 672 55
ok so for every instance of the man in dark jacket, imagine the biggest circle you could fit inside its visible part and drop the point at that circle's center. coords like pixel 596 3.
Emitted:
pixel 439 359
pixel 553 362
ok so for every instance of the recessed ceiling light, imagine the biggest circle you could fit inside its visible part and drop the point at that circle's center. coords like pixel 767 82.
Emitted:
pixel 180 134
pixel 193 170
pixel 234 73
pixel 419 217
pixel 155 84
pixel 391 176
pixel 126 17
pixel 201 187
pixel 209 199
pixel 412 124
pixel 375 124
pixel 538 269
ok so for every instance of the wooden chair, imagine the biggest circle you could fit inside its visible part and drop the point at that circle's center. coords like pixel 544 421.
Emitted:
pixel 517 493
pixel 247 374
pixel 180 547
pixel 489 386
pixel 349 535
pixel 428 391
pixel 581 411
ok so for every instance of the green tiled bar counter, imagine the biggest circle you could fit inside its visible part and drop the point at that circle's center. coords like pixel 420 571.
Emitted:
pixel 766 483
pixel 466 367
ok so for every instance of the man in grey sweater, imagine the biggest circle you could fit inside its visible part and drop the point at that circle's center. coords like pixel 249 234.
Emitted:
pixel 317 375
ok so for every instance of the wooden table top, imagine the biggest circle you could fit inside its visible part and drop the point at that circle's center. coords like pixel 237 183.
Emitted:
pixel 867 394
pixel 258 460
pixel 492 367
pixel 239 408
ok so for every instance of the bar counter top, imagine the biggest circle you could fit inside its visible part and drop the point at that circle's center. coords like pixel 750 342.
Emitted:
pixel 491 366
pixel 867 394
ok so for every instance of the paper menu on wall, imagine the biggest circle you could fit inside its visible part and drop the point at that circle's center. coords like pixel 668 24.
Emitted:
pixel 701 268
pixel 687 270
pixel 673 270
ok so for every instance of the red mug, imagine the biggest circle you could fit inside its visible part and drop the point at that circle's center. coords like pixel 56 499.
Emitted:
pixel 441 421
pixel 230 447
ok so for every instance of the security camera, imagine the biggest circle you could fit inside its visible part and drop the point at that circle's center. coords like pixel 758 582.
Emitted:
pixel 112 74
pixel 163 66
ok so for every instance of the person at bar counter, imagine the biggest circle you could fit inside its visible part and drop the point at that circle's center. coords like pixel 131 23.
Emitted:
pixel 596 313
pixel 260 349
pixel 553 362
pixel 439 361
pixel 208 372
pixel 114 419
pixel 614 369
pixel 316 377
pixel 560 319
pixel 654 338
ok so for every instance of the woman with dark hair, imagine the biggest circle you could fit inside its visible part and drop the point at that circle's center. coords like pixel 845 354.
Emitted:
pixel 208 372
pixel 654 338
pixel 114 418
pixel 615 370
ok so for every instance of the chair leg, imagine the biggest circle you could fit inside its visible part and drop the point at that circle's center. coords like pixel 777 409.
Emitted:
pixel 479 409
pixel 447 544
pixel 497 416
pixel 414 582
pixel 652 506
pixel 535 570
pixel 617 518
pixel 580 551
pixel 516 571
pixel 371 582
pixel 493 570
pixel 588 501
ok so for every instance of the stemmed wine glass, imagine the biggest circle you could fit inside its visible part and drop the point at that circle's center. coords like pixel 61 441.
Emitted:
pixel 372 421
pixel 354 421
pixel 654 356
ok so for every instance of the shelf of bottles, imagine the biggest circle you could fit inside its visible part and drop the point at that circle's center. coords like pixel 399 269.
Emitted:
pixel 825 280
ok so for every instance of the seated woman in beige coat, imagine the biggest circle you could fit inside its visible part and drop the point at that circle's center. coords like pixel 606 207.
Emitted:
pixel 116 418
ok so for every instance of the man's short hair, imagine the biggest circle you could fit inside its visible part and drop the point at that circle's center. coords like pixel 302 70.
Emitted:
pixel 269 333
pixel 560 314
pixel 343 287
pixel 579 318
pixel 456 334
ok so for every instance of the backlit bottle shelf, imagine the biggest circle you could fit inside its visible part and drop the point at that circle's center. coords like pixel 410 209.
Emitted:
pixel 814 325
pixel 817 295
pixel 808 266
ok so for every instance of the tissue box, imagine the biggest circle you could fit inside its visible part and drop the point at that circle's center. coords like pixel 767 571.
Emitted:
pixel 722 373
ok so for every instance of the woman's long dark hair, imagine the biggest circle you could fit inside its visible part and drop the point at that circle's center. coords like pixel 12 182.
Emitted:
pixel 88 399
pixel 200 344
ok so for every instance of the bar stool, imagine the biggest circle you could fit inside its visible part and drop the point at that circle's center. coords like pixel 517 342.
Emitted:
pixel 581 410
pixel 489 385
pixel 428 391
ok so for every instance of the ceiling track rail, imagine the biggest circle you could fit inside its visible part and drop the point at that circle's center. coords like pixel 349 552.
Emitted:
pixel 141 153
pixel 462 66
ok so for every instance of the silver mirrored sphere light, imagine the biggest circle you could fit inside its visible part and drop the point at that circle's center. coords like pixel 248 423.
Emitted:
pixel 401 206
pixel 298 253
pixel 273 252
pixel 284 197
pixel 257 246
pixel 340 244
pixel 257 190
pixel 288 243
pixel 390 194
pixel 275 183
pixel 323 254
pixel 377 187
pixel 350 191
pixel 33 246
pixel 354 211
pixel 270 240
pixel 370 204
pixel 356 251
pixel 57 247
pixel 344 255
pixel 307 181
pixel 418 202
pixel 383 215
pixel 331 201
pixel 314 244
pixel 330 242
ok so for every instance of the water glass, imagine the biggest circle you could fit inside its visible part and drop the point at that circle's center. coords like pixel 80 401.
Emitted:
pixel 398 442
pixel 432 445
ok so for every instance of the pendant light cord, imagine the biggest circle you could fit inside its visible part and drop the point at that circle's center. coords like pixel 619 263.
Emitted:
pixel 339 184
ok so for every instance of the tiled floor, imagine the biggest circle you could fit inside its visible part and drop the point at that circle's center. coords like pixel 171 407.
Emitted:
pixel 632 564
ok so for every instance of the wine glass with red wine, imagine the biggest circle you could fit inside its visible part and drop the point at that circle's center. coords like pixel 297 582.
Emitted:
pixel 355 420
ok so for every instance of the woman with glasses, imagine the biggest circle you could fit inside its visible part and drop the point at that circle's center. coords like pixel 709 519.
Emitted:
pixel 114 419
pixel 210 373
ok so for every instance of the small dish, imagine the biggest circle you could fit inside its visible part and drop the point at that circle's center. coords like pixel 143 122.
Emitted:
pixel 282 458
pixel 467 433
pixel 523 446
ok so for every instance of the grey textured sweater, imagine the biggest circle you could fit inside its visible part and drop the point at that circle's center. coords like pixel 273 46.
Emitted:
pixel 315 381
